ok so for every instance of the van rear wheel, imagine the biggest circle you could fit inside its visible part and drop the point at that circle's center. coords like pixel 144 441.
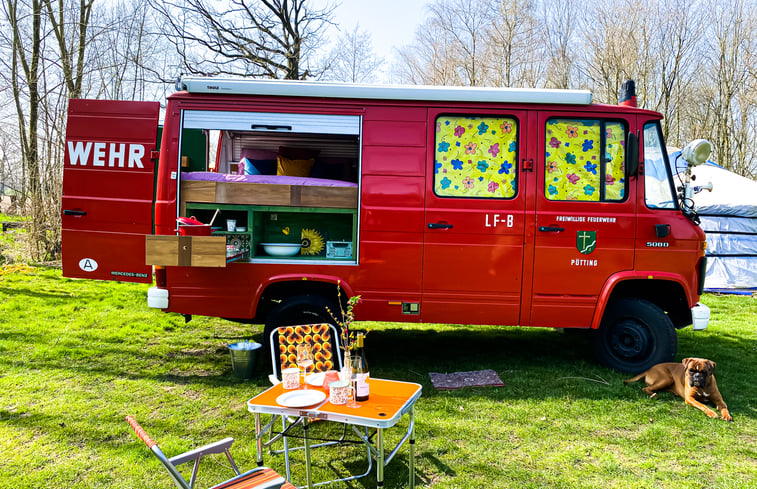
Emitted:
pixel 635 335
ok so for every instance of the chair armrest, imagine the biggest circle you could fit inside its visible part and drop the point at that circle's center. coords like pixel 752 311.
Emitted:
pixel 212 448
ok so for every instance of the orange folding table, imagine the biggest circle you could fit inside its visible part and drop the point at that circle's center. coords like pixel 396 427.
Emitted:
pixel 389 401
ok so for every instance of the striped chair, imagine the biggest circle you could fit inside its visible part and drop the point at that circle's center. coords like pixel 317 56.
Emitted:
pixel 258 478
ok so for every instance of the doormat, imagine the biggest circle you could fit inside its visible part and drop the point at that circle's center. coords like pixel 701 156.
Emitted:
pixel 458 380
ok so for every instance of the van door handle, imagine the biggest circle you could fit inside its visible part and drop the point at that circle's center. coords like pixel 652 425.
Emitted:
pixel 439 225
pixel 551 229
pixel 69 212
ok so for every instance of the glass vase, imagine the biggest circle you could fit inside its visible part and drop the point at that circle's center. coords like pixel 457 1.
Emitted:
pixel 346 372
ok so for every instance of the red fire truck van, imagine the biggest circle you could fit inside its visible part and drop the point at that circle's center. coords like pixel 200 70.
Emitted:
pixel 260 198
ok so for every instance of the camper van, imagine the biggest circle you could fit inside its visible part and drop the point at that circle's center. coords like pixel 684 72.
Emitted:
pixel 267 201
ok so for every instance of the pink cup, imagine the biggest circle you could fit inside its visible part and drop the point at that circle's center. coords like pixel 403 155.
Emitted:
pixel 329 377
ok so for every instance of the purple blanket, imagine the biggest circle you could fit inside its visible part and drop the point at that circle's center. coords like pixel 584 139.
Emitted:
pixel 274 179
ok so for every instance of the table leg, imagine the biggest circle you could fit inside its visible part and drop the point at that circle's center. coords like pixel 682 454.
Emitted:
pixel 412 447
pixel 285 439
pixel 258 439
pixel 308 475
pixel 379 458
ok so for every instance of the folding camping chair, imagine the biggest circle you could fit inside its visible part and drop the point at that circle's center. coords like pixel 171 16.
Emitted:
pixel 258 478
pixel 323 338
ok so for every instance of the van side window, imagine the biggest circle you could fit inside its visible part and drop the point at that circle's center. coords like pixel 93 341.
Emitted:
pixel 476 157
pixel 658 193
pixel 585 160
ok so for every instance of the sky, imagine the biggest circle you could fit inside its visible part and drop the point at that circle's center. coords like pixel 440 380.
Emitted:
pixel 391 23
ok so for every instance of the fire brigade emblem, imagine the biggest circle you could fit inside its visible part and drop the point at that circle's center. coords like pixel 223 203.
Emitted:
pixel 586 241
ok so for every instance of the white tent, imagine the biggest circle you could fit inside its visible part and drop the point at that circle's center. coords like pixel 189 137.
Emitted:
pixel 729 219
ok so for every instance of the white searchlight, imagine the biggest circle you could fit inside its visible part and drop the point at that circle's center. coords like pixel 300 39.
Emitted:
pixel 696 152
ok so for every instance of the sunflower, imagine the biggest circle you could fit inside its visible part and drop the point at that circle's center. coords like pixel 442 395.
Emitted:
pixel 312 242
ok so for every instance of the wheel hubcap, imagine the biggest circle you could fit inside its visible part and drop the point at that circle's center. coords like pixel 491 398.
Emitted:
pixel 629 339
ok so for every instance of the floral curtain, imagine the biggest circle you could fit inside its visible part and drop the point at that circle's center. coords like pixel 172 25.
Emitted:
pixel 475 157
pixel 574 155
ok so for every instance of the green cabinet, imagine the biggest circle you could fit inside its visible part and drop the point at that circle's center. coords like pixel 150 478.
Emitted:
pixel 323 233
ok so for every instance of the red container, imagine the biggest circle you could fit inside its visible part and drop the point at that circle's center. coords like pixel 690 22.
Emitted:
pixel 189 226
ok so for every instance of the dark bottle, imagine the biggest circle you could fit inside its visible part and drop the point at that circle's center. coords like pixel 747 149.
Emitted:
pixel 360 370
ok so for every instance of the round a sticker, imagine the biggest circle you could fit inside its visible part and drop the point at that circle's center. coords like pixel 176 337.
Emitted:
pixel 88 264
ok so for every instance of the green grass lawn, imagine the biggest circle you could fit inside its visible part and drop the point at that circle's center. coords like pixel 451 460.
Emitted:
pixel 76 356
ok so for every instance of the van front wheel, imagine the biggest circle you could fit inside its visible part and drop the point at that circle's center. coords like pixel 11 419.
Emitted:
pixel 635 335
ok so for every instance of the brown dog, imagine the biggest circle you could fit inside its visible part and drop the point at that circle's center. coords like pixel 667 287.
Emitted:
pixel 691 379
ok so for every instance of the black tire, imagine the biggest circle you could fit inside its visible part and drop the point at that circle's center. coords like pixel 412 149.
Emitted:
pixel 635 335
pixel 299 309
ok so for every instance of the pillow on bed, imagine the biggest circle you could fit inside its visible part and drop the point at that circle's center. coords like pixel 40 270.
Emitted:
pixel 294 168
pixel 257 167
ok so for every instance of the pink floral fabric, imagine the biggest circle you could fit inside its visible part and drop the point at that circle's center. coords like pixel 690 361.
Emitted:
pixel 475 157
pixel 573 163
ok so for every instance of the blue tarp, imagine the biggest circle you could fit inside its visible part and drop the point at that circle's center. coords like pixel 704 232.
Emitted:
pixel 729 219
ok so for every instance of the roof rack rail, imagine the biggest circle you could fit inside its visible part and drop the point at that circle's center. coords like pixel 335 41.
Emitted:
pixel 290 88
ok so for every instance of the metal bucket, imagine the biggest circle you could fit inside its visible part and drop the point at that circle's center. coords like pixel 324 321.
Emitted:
pixel 243 357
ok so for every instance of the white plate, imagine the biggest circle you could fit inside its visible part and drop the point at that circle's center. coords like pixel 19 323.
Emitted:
pixel 315 379
pixel 300 398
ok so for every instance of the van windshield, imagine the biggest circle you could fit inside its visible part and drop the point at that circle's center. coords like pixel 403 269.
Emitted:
pixel 658 190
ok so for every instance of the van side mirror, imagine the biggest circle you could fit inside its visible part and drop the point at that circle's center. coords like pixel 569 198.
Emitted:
pixel 632 154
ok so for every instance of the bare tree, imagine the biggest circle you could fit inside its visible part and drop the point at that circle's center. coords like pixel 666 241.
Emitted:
pixel 353 59
pixel 265 38
pixel 130 59
pixel 25 45
pixel 9 186
pixel 511 58
pixel 744 154
pixel 28 88
pixel 679 32
pixel 450 47
pixel 430 60
pixel 65 31
pixel 559 23
pixel 615 51
pixel 733 30
pixel 464 24
pixel 41 77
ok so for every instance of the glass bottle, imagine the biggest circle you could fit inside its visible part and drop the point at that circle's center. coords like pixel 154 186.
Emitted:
pixel 360 369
